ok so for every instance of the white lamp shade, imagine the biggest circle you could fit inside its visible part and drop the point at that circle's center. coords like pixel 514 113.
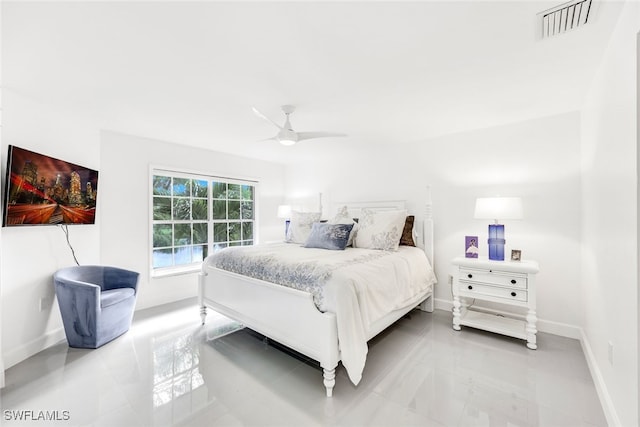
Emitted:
pixel 497 208
pixel 284 211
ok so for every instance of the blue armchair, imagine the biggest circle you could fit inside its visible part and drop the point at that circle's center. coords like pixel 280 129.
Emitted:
pixel 96 303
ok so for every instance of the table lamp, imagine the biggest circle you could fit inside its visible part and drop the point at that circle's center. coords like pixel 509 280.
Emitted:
pixel 497 208
pixel 284 211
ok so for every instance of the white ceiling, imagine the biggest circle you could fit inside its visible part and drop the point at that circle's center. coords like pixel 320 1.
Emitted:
pixel 382 72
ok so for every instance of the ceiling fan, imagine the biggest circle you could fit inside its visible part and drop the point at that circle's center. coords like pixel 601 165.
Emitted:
pixel 286 135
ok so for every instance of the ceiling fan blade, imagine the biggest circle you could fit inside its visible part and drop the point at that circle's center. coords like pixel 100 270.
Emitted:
pixel 273 138
pixel 262 116
pixel 311 135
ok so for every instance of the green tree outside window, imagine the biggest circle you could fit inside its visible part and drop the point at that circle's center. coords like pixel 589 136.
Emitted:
pixel 194 216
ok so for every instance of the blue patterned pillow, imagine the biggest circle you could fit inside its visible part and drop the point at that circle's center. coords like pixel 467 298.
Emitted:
pixel 329 236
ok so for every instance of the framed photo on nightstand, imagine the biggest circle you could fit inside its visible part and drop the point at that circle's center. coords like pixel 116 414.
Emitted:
pixel 471 246
pixel 516 255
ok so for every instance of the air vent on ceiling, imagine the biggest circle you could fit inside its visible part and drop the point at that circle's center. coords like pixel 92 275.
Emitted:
pixel 564 17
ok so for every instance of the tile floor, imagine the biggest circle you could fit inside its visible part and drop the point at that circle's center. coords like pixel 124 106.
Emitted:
pixel 168 370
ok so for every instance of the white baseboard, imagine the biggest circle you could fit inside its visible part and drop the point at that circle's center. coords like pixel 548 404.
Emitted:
pixel 603 394
pixel 568 331
pixel 35 346
pixel 443 304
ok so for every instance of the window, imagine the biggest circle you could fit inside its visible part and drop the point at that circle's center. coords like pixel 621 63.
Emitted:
pixel 194 215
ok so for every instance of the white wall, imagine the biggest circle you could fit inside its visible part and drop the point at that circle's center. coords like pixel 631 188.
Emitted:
pixel 30 255
pixel 124 198
pixel 609 233
pixel 537 160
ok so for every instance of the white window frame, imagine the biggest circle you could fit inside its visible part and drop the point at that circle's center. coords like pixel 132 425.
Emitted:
pixel 190 174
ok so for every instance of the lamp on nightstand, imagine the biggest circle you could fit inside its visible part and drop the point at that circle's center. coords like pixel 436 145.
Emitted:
pixel 284 211
pixel 497 208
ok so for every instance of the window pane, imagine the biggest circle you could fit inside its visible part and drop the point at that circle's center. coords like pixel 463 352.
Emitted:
pixel 182 255
pixel 220 232
pixel 181 187
pixel 162 258
pixel 234 231
pixel 247 230
pixel 219 209
pixel 162 235
pixel 162 208
pixel 247 243
pixel 234 191
pixel 247 210
pixel 235 244
pixel 182 234
pixel 199 188
pixel 199 209
pixel 234 209
pixel 219 190
pixel 200 232
pixel 199 253
pixel 219 246
pixel 181 209
pixel 247 192
pixel 161 185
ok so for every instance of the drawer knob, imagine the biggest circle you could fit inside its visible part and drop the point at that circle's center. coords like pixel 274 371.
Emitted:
pixel 513 294
pixel 470 275
pixel 470 287
pixel 513 281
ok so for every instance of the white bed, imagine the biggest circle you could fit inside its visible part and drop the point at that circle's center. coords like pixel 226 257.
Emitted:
pixel 291 317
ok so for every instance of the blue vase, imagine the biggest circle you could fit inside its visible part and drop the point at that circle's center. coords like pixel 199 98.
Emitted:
pixel 496 242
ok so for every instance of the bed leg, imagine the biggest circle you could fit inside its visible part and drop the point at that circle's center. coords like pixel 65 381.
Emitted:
pixel 428 304
pixel 329 380
pixel 203 313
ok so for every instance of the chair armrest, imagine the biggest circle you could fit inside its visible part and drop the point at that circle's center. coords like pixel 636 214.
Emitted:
pixel 79 301
pixel 76 289
pixel 120 278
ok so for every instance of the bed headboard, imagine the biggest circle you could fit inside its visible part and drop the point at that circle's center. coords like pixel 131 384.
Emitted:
pixel 423 225
pixel 355 208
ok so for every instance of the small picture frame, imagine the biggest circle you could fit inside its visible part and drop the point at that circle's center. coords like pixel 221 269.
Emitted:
pixel 516 254
pixel 471 246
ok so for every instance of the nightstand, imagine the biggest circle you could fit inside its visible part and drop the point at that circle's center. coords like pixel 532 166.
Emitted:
pixel 506 282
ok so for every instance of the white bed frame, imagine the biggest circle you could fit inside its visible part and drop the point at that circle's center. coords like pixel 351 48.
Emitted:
pixel 289 316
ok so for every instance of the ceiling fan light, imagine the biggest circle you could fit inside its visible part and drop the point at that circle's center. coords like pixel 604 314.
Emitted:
pixel 288 142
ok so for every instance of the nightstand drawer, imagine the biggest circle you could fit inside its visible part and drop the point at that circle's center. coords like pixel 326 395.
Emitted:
pixel 470 289
pixel 507 279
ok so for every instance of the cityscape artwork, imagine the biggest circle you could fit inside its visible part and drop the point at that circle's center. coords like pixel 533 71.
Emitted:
pixel 41 190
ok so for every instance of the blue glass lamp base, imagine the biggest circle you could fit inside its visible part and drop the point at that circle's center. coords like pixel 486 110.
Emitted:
pixel 496 242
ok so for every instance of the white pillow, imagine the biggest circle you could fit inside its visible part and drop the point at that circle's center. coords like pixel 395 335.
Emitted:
pixel 343 217
pixel 300 226
pixel 380 230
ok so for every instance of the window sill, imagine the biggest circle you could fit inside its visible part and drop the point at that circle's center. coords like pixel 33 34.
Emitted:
pixel 179 271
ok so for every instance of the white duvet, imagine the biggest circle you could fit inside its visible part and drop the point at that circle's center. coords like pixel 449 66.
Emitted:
pixel 359 285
